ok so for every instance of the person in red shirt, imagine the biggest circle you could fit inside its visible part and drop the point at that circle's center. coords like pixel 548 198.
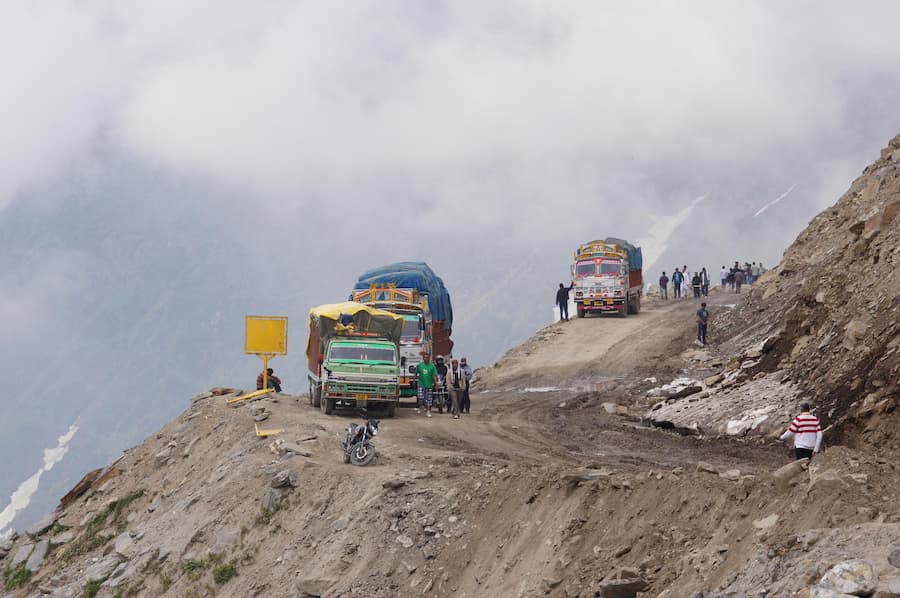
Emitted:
pixel 806 431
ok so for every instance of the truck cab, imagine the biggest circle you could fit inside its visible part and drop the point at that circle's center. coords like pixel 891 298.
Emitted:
pixel 359 371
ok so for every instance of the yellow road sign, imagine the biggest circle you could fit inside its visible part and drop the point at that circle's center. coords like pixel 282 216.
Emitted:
pixel 266 335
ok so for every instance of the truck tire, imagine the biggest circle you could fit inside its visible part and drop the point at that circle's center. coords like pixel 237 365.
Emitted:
pixel 580 312
pixel 327 405
pixel 623 312
pixel 315 393
pixel 637 305
pixel 392 409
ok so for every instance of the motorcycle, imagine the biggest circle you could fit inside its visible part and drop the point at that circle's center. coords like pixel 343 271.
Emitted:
pixel 358 447
pixel 441 396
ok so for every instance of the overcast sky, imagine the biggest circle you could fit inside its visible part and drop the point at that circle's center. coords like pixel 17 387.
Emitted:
pixel 293 145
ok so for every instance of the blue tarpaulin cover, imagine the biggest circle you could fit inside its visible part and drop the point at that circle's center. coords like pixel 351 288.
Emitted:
pixel 413 275
pixel 635 257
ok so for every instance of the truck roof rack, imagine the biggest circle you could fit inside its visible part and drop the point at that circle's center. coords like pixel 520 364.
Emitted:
pixel 390 294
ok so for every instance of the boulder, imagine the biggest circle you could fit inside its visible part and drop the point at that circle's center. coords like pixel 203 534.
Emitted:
pixel 42 526
pixel 405 541
pixel 622 588
pixel 163 456
pixel 284 479
pixel 713 380
pixel 732 475
pixel 894 558
pixel 224 540
pixel 36 559
pixel 766 522
pixel 790 474
pixel 21 555
pixel 855 577
pixel 101 569
pixel 124 546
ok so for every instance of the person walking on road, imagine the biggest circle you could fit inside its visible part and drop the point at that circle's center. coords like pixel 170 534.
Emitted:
pixel 426 374
pixel 466 402
pixel 696 284
pixel 457 385
pixel 806 431
pixel 663 286
pixel 723 274
pixel 704 282
pixel 562 300
pixel 677 278
pixel 739 278
pixel 702 321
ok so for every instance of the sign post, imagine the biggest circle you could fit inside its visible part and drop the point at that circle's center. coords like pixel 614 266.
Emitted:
pixel 265 337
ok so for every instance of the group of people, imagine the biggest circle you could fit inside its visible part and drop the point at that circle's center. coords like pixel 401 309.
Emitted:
pixel 737 276
pixel 683 283
pixel 438 377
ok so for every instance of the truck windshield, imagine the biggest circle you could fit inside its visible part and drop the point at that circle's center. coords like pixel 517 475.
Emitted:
pixel 585 269
pixel 410 328
pixel 362 353
pixel 610 267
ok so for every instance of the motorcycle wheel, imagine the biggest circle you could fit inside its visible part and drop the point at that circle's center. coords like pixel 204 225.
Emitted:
pixel 362 454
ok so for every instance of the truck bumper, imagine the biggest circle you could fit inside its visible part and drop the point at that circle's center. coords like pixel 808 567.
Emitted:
pixel 601 305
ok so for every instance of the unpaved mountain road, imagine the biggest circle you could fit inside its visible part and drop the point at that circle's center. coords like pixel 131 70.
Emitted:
pixel 542 401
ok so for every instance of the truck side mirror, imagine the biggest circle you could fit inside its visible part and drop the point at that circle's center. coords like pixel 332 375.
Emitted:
pixel 403 362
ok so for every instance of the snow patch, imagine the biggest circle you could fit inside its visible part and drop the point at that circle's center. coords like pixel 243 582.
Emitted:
pixel 541 389
pixel 774 201
pixel 21 497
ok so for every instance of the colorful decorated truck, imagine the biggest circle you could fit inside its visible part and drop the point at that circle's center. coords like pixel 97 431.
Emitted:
pixel 354 358
pixel 607 277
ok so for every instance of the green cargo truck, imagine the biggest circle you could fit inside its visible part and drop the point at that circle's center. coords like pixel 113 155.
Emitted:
pixel 353 357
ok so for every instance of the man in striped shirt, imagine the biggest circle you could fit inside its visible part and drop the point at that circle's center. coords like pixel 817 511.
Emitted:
pixel 806 432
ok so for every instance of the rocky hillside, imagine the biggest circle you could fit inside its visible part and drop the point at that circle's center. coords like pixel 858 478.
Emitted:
pixel 821 326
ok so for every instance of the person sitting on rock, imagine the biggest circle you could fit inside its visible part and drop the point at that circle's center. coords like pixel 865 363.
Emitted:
pixel 273 380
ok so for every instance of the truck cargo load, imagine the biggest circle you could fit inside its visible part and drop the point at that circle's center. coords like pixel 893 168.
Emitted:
pixel 420 277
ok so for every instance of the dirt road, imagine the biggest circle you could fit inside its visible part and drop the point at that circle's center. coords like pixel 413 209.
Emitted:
pixel 542 401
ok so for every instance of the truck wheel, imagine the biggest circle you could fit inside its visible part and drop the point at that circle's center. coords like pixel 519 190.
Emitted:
pixel 580 312
pixel 624 311
pixel 392 410
pixel 637 305
pixel 312 393
pixel 327 405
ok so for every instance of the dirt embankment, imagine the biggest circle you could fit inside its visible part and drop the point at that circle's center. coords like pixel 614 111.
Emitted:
pixel 551 486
